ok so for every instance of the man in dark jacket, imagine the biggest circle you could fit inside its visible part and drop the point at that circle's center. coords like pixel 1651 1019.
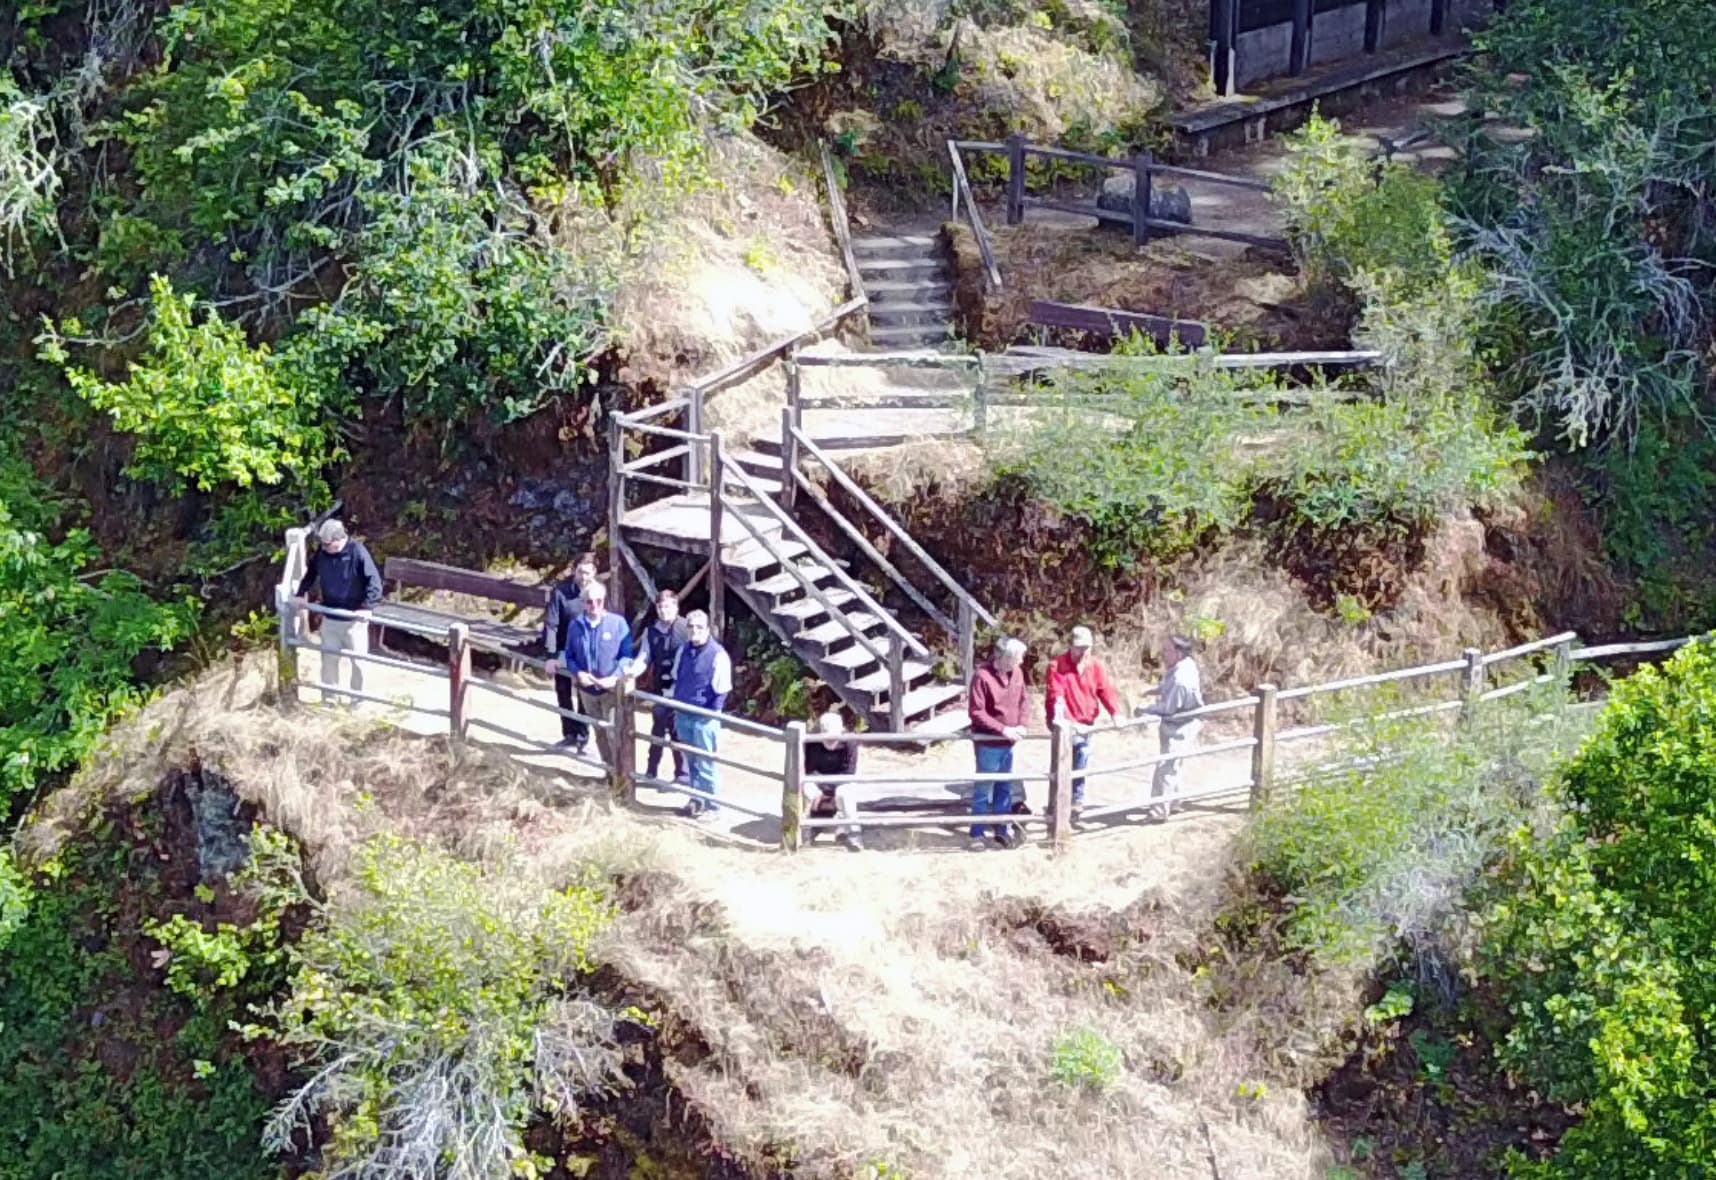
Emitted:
pixel 659 656
pixel 597 653
pixel 997 706
pixel 703 678
pixel 565 604
pixel 349 582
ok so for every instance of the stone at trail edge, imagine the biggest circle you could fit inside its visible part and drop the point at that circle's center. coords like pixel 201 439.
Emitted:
pixel 1168 202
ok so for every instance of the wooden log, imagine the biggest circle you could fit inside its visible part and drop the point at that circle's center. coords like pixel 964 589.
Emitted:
pixel 288 656
pixel 896 684
pixel 792 787
pixel 1015 178
pixel 1263 751
pixel 789 459
pixel 623 741
pixel 717 583
pixel 1112 322
pixel 1471 686
pixel 458 679
pixel 1141 198
pixel 1060 785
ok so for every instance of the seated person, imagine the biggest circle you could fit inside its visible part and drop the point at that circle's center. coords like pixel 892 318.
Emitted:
pixel 824 799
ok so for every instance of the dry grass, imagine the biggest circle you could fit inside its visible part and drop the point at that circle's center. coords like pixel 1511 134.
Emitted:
pixel 855 1010
pixel 741 262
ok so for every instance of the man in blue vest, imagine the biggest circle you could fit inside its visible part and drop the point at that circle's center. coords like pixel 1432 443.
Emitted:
pixel 598 649
pixel 662 642
pixel 703 678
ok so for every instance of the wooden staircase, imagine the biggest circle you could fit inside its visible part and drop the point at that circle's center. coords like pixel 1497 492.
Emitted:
pixel 882 670
pixel 908 279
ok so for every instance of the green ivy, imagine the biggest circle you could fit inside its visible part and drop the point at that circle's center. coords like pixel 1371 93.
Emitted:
pixel 1601 936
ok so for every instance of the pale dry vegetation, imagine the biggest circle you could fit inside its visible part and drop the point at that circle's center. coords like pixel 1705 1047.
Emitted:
pixel 841 1012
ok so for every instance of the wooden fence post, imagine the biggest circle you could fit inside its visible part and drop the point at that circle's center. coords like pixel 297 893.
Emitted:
pixel 789 460
pixel 896 684
pixel 288 654
pixel 616 513
pixel 792 787
pixel 1141 184
pixel 458 677
pixel 1299 49
pixel 1015 178
pixel 967 640
pixel 1471 686
pixel 1060 785
pixel 980 402
pixel 694 473
pixel 1263 751
pixel 795 388
pixel 717 584
pixel 622 740
pixel 1564 670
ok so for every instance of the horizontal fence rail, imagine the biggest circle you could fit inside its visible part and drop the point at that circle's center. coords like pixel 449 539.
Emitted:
pixel 1241 761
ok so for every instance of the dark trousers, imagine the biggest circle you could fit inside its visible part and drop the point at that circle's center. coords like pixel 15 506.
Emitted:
pixel 661 726
pixel 574 731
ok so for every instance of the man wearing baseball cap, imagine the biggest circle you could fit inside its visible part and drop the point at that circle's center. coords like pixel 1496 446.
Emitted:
pixel 1078 691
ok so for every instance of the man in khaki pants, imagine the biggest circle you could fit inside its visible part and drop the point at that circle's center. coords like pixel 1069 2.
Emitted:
pixel 349 582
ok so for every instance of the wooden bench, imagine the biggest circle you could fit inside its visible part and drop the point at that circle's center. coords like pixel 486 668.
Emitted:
pixel 409 573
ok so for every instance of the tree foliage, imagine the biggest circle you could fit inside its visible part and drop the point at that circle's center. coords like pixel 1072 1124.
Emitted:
pixel 68 636
pixel 1601 936
pixel 204 405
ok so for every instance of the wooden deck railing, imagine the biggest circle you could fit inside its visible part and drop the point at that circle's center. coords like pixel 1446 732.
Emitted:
pixel 1144 168
pixel 1250 724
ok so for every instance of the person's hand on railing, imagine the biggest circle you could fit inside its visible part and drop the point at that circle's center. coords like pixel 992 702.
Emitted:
pixel 585 680
pixel 1014 732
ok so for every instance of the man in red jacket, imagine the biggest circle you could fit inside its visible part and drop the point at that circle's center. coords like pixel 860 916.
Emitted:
pixel 1078 690
pixel 997 705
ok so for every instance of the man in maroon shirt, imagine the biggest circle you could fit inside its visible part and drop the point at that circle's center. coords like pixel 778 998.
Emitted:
pixel 997 707
pixel 1077 692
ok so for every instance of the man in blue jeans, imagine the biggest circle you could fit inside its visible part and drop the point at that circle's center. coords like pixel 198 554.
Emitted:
pixel 997 705
pixel 703 677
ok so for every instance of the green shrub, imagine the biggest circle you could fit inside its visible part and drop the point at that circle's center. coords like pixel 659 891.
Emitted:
pixel 205 406
pixel 1085 1059
pixel 1144 456
pixel 105 1075
pixel 71 633
pixel 432 1009
pixel 1378 853
pixel 1602 938
pixel 1396 462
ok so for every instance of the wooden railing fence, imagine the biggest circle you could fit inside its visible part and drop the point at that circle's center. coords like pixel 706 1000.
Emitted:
pixel 1144 168
pixel 1263 724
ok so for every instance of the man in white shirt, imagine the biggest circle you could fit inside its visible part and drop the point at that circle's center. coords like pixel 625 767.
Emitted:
pixel 1182 690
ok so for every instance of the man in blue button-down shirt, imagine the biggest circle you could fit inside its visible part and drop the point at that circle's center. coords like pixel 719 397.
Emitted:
pixel 598 648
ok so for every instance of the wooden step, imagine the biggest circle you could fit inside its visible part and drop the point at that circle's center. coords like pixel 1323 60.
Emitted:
pixel 757 462
pixel 836 630
pixel 809 608
pixel 908 307
pixel 900 266
pixel 779 584
pixel 851 658
pixel 876 683
pixel 931 697
pixel 910 288
pixel 894 242
pixel 748 555
pixel 911 333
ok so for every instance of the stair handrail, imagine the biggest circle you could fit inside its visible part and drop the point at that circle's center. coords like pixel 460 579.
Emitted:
pixel 841 223
pixel 898 531
pixel 974 216
pixel 791 528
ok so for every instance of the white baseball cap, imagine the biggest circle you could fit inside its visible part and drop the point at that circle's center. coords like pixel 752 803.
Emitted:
pixel 1081 637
